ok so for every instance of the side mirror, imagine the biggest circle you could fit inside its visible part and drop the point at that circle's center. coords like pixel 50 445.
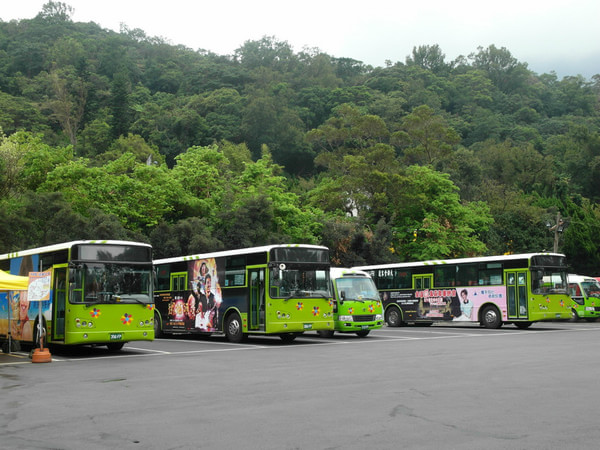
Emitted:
pixel 342 295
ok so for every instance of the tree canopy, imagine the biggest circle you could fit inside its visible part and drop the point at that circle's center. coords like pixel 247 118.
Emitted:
pixel 122 135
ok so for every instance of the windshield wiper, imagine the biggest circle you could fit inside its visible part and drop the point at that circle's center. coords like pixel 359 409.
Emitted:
pixel 131 297
pixel 299 293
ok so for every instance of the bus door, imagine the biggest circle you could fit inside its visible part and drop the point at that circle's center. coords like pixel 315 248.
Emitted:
pixel 516 292
pixel 256 280
pixel 59 301
pixel 422 282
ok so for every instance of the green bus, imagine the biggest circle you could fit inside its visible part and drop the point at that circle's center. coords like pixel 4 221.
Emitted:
pixel 585 293
pixel 271 290
pixel 492 290
pixel 100 294
pixel 357 307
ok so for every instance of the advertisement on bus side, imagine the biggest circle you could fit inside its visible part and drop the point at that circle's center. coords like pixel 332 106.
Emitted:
pixel 456 304
pixel 197 308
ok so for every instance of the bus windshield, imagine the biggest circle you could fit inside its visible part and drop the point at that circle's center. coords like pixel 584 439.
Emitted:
pixel 591 288
pixel 298 280
pixel 549 281
pixel 111 283
pixel 359 288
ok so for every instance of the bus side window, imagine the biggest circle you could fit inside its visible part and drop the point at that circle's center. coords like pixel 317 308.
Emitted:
pixel 574 290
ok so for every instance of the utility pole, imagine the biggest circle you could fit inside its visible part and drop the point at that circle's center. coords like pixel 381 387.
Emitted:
pixel 557 228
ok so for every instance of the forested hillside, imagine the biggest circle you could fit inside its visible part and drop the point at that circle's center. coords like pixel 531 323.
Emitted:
pixel 125 136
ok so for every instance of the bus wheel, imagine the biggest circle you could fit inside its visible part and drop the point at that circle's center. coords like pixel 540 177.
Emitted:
pixel 490 317
pixel 362 333
pixel 233 328
pixel 522 325
pixel 325 333
pixel 392 317
pixel 288 337
pixel 574 316
pixel 158 332
pixel 115 346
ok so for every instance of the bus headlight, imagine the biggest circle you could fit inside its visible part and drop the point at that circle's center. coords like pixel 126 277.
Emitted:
pixel 378 316
pixel 346 319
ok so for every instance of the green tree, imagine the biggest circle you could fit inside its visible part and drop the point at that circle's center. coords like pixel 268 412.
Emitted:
pixel 121 115
pixel 428 57
pixel 45 218
pixel 139 195
pixel 427 139
pixel 68 101
pixel 505 71
pixel 25 160
pixel 132 144
pixel 259 208
pixel 432 223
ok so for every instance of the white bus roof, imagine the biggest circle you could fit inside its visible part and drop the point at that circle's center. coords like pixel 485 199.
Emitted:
pixel 438 262
pixel 242 251
pixel 339 272
pixel 65 245
pixel 574 278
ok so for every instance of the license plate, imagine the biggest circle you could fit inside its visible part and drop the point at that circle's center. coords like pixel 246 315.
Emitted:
pixel 116 336
pixel 364 327
pixel 307 326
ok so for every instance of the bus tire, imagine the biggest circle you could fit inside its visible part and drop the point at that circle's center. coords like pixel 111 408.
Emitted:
pixel 325 333
pixel 288 338
pixel 115 346
pixel 362 333
pixel 233 328
pixel 574 315
pixel 522 325
pixel 158 332
pixel 393 317
pixel 490 317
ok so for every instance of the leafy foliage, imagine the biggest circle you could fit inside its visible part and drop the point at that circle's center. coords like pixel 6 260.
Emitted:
pixel 123 135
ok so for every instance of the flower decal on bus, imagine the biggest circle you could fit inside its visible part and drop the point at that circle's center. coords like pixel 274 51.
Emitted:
pixel 299 306
pixel 315 311
pixel 150 307
pixel 127 319
pixel 371 308
pixel 330 302
pixel 350 310
pixel 95 313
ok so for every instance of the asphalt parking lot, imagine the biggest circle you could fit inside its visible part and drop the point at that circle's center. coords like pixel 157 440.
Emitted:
pixel 413 387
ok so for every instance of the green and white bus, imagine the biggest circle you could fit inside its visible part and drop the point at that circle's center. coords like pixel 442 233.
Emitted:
pixel 271 290
pixel 492 290
pixel 100 294
pixel 357 307
pixel 585 293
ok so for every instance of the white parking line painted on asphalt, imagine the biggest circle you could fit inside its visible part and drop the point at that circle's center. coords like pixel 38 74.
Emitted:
pixel 148 350
pixel 378 337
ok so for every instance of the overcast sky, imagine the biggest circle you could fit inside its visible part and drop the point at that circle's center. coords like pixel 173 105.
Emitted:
pixel 550 35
